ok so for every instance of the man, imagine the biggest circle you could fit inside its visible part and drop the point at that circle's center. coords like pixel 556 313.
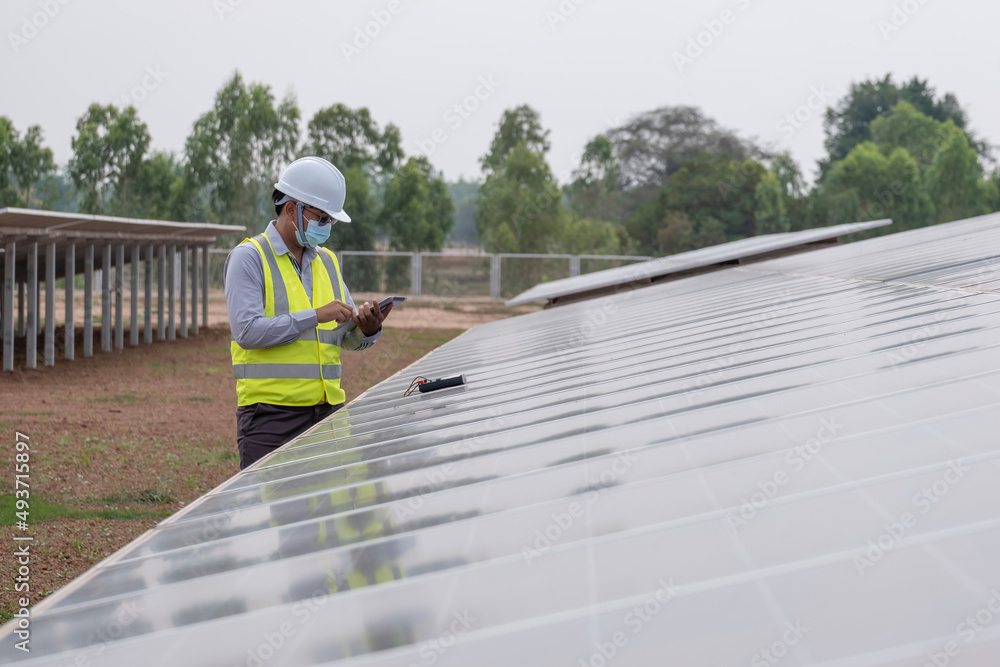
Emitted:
pixel 286 297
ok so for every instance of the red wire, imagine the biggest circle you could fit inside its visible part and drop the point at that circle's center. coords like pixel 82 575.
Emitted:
pixel 417 381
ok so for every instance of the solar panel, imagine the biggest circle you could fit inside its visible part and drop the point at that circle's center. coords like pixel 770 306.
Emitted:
pixel 754 248
pixel 21 221
pixel 793 462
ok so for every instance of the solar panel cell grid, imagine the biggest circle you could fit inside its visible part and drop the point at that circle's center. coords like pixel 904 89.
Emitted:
pixel 796 458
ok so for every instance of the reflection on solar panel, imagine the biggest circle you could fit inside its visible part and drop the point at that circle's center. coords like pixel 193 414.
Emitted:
pixel 686 264
pixel 794 462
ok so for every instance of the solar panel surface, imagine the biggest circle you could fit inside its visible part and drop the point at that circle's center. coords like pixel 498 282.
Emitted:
pixel 793 461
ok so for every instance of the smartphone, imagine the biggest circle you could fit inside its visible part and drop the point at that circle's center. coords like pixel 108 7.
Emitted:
pixel 395 300
pixel 382 305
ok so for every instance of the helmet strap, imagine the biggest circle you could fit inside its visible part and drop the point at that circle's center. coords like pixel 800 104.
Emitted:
pixel 302 231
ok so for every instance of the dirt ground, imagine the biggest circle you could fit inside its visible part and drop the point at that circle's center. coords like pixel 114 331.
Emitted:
pixel 122 440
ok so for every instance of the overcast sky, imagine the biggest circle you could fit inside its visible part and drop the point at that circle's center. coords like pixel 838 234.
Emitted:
pixel 583 64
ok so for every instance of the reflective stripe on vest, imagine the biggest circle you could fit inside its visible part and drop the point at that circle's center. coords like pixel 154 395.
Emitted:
pixel 325 336
pixel 305 371
pixel 283 371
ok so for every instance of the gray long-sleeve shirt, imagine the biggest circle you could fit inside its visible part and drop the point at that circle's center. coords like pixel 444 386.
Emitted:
pixel 244 279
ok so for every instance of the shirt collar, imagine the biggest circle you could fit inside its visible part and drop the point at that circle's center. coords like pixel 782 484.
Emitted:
pixel 280 248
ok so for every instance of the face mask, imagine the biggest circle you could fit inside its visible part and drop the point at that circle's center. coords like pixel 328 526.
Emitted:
pixel 315 235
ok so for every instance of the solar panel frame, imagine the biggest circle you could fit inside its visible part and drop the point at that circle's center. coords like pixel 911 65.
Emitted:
pixel 643 273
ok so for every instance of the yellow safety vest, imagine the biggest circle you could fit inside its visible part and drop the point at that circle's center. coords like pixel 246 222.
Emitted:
pixel 307 370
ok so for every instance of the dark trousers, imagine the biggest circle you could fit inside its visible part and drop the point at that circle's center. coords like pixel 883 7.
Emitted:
pixel 261 428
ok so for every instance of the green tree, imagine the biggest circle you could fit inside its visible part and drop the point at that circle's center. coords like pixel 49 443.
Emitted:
pixel 32 161
pixel 361 205
pixel 584 236
pixel 646 222
pixel 868 185
pixel 993 191
pixel 158 188
pixel 463 193
pixel 653 145
pixel 368 156
pixel 236 151
pixel 799 204
pixel 521 125
pixel 954 179
pixel 848 124
pixel 905 127
pixel 950 171
pixel 108 152
pixel 55 192
pixel 679 233
pixel 717 197
pixel 769 211
pixel 596 189
pixel 599 164
pixel 519 207
pixel 350 138
pixel 361 273
pixel 789 176
pixel 8 158
pixel 624 170
pixel 417 211
pixel 719 188
pixel 667 231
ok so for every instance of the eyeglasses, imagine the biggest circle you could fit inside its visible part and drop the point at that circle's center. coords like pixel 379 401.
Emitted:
pixel 323 220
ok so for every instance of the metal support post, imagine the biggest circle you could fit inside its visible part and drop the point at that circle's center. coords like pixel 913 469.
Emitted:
pixel 133 327
pixel 106 298
pixel 494 276
pixel 9 262
pixel 204 285
pixel 161 279
pixel 416 277
pixel 69 344
pixel 171 280
pixel 50 304
pixel 148 301
pixel 194 290
pixel 184 318
pixel 32 330
pixel 119 295
pixel 88 300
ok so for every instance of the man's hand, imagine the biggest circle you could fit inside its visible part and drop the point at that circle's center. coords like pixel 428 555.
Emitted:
pixel 370 316
pixel 335 310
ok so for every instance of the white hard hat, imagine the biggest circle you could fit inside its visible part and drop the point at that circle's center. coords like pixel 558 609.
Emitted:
pixel 316 182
